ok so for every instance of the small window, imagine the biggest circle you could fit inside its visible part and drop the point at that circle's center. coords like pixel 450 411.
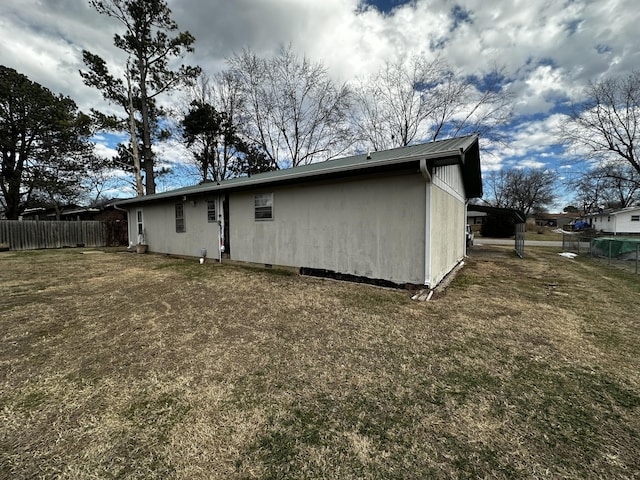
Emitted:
pixel 635 218
pixel 140 224
pixel 179 218
pixel 211 212
pixel 263 203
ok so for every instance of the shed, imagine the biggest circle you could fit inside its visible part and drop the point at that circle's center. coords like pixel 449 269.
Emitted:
pixel 396 216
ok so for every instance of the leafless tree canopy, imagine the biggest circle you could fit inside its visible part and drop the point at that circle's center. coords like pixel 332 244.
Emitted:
pixel 423 100
pixel 606 126
pixel 294 111
pixel 613 184
pixel 528 190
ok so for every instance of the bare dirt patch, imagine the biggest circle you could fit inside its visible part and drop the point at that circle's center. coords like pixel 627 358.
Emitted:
pixel 145 366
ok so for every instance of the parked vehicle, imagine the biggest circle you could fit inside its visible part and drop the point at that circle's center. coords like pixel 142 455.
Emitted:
pixel 469 235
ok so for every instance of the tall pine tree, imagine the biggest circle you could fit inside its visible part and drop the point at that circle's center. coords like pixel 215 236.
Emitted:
pixel 151 40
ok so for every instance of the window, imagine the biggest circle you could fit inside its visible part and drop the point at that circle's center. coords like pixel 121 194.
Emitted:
pixel 179 218
pixel 263 203
pixel 140 224
pixel 635 218
pixel 211 212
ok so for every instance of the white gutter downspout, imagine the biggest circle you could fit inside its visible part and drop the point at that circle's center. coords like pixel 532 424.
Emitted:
pixel 466 211
pixel 424 170
pixel 220 212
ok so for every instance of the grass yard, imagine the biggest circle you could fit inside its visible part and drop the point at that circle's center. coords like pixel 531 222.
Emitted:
pixel 116 365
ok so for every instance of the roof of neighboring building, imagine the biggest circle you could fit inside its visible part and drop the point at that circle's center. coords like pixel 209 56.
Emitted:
pixel 518 216
pixel 557 215
pixel 464 151
pixel 614 212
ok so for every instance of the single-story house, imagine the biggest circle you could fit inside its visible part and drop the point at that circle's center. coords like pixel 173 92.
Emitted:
pixel 397 215
pixel 617 222
pixel 104 212
pixel 559 220
pixel 476 218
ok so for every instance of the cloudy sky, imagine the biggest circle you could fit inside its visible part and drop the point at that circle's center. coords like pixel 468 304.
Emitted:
pixel 550 48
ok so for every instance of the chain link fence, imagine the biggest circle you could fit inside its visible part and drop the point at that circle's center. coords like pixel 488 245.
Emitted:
pixel 621 252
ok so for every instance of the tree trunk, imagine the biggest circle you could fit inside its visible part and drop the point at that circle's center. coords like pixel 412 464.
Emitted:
pixel 147 153
pixel 12 200
pixel 134 140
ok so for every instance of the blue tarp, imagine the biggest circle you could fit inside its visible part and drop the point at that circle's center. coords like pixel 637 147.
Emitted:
pixel 581 225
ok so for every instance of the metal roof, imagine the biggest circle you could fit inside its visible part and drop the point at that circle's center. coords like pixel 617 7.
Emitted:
pixel 461 150
pixel 612 212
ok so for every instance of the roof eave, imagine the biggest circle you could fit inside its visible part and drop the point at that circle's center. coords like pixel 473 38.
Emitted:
pixel 257 181
pixel 467 156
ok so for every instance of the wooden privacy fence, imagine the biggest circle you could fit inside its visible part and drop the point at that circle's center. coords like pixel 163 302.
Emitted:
pixel 35 234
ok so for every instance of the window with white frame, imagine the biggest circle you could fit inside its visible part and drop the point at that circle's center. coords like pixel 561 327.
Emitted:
pixel 635 218
pixel 211 211
pixel 139 222
pixel 180 227
pixel 263 206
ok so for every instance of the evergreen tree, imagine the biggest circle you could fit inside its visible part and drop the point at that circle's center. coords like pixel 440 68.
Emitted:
pixel 44 142
pixel 150 47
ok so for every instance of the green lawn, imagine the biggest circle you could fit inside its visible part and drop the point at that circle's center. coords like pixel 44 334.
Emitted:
pixel 117 365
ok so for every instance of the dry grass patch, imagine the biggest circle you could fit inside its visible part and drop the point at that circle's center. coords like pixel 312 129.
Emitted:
pixel 142 366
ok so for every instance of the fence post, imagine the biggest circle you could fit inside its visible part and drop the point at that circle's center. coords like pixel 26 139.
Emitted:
pixel 579 240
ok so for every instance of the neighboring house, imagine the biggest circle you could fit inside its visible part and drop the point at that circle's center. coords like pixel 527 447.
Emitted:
pixel 397 215
pixel 476 218
pixel 105 212
pixel 617 222
pixel 555 219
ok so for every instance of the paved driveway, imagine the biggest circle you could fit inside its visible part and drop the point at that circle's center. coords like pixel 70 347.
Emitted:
pixel 510 241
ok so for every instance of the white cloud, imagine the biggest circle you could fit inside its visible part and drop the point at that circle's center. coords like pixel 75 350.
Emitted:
pixel 530 164
pixel 550 49
pixel 104 150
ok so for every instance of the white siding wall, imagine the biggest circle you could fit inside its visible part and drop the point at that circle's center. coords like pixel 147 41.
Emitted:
pixel 624 224
pixel 617 223
pixel 448 221
pixel 603 222
pixel 368 227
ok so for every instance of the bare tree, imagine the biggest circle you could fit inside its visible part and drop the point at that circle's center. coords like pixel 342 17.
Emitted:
pixel 495 189
pixel 390 108
pixel 421 100
pixel 527 190
pixel 610 185
pixel 212 124
pixel 294 111
pixel 606 125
